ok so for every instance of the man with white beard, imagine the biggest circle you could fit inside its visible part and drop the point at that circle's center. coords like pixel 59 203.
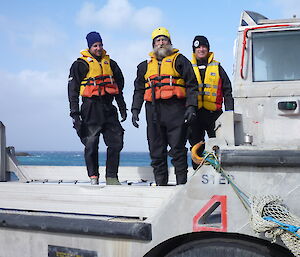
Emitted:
pixel 168 85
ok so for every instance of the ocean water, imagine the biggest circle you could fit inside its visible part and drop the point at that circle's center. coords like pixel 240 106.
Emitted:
pixel 76 158
pixel 59 158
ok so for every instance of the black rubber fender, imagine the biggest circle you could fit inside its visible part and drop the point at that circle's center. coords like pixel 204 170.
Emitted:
pixel 223 247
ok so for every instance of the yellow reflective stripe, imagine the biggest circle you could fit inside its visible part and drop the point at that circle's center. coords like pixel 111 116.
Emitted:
pixel 207 85
pixel 207 93
pixel 211 86
pixel 213 64
pixel 203 93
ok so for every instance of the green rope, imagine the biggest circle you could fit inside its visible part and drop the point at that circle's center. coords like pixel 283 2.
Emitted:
pixel 212 159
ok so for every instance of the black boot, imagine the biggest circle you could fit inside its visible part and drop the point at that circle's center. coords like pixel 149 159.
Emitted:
pixel 181 178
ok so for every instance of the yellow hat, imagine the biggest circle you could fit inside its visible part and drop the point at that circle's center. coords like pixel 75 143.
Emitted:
pixel 160 31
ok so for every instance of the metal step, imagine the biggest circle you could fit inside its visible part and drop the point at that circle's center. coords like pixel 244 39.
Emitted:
pixel 126 201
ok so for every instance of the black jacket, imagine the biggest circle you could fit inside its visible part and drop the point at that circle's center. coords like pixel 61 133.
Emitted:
pixel 78 71
pixel 184 68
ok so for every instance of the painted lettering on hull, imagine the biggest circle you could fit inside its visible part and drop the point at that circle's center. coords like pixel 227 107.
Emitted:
pixel 215 179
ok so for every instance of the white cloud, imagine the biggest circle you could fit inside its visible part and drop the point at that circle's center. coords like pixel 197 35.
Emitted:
pixel 35 111
pixel 32 89
pixel 39 83
pixel 147 18
pixel 118 14
pixel 36 40
pixel 41 38
pixel 34 84
pixel 112 15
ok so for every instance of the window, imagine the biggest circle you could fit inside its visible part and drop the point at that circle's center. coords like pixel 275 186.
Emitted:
pixel 276 55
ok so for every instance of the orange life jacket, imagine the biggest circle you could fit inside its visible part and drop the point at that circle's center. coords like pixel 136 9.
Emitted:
pixel 99 80
pixel 165 80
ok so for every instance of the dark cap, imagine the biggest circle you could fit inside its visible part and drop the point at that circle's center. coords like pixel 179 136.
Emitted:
pixel 200 41
pixel 92 38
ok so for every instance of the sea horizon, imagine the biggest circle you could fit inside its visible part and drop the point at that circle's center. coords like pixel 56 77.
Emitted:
pixel 76 158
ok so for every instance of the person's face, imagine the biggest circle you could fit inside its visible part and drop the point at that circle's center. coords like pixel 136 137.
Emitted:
pixel 161 42
pixel 201 52
pixel 96 49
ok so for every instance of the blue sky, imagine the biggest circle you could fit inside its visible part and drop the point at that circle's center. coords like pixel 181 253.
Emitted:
pixel 41 39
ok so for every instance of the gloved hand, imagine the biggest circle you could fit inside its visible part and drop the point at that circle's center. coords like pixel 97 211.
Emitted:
pixel 77 125
pixel 135 117
pixel 190 114
pixel 123 113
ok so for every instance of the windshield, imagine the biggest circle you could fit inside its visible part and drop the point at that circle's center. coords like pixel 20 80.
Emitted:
pixel 276 56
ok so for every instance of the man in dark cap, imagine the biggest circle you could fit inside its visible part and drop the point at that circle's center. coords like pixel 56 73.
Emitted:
pixel 168 85
pixel 214 86
pixel 98 80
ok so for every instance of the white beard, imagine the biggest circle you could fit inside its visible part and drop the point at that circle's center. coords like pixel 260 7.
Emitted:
pixel 162 52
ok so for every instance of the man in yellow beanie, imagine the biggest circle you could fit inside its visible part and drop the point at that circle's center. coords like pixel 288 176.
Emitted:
pixel 168 85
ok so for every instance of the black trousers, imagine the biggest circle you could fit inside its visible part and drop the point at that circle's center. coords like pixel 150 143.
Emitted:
pixel 204 122
pixel 165 127
pixel 109 126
